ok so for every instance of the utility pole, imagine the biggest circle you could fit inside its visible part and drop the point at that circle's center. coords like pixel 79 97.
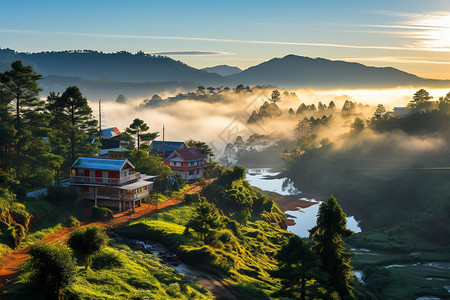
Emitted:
pixel 100 117
pixel 164 146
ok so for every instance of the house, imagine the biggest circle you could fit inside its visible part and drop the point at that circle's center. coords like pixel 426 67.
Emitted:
pixel 110 138
pixel 401 111
pixel 189 163
pixel 165 148
pixel 111 183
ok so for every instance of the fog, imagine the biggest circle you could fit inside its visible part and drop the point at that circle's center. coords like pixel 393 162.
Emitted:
pixel 220 122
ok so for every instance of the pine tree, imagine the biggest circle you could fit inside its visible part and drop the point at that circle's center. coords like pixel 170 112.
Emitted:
pixel 20 91
pixel 139 129
pixel 299 271
pixel 205 222
pixel 328 244
pixel 73 118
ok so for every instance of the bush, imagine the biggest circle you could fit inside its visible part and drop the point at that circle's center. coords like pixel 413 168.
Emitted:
pixel 70 221
pixel 52 268
pixel 102 213
pixel 60 194
pixel 107 259
pixel 87 242
pixel 192 198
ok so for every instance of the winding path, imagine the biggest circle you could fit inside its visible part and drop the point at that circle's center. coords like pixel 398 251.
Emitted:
pixel 11 262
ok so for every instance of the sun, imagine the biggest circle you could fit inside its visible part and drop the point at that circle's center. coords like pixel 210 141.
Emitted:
pixel 436 32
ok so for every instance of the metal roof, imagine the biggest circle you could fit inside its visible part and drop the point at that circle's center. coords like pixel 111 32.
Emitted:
pixel 100 163
pixel 157 146
pixel 135 185
pixel 110 132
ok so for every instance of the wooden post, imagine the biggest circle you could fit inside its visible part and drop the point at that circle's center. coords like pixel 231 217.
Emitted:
pixel 95 196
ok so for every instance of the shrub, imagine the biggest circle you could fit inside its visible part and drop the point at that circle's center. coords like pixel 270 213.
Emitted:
pixel 60 194
pixel 192 198
pixel 102 213
pixel 52 268
pixel 70 221
pixel 107 259
pixel 87 242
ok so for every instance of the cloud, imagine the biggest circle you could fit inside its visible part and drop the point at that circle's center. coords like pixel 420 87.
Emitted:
pixel 193 52
pixel 398 59
pixel 307 44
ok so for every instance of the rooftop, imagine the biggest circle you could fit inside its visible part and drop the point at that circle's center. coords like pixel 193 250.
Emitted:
pixel 188 154
pixel 157 146
pixel 100 163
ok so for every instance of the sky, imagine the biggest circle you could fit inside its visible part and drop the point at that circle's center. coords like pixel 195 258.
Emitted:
pixel 410 35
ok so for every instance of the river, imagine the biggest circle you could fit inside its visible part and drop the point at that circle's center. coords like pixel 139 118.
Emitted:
pixel 305 218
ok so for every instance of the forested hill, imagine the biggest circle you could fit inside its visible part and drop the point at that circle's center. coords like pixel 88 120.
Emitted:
pixel 120 66
pixel 291 71
pixel 294 71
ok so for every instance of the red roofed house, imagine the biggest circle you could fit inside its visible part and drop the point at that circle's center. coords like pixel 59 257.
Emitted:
pixel 111 183
pixel 189 163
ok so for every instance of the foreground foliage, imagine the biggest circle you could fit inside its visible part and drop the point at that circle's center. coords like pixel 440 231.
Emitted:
pixel 51 268
pixel 118 273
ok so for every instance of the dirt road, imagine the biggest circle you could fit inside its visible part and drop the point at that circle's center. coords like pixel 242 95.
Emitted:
pixel 10 262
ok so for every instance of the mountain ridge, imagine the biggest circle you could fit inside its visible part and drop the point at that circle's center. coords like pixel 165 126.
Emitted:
pixel 223 70
pixel 291 71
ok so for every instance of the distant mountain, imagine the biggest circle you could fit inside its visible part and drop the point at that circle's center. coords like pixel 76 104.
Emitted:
pixel 120 66
pixel 93 68
pixel 223 70
pixel 294 71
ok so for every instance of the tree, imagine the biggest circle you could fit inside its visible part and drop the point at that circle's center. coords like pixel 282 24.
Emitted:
pixel 421 95
pixel 151 164
pixel 121 99
pixel 200 89
pixel 87 242
pixel 275 96
pixel 327 236
pixel 52 268
pixel 205 222
pixel 420 99
pixel 299 270
pixel 139 129
pixel 76 123
pixel 202 146
pixel 444 104
pixel 19 90
pixel 380 111
pixel 358 124
pixel 331 105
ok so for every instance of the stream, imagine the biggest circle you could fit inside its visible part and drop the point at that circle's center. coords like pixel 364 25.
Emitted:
pixel 210 281
pixel 305 218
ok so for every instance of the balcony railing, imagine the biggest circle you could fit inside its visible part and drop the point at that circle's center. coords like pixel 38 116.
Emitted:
pixel 104 180
pixel 136 196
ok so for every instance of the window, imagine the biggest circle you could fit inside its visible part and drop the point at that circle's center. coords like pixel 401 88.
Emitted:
pixel 191 172
pixel 113 193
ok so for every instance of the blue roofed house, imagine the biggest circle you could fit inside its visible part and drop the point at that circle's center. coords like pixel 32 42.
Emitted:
pixel 165 148
pixel 111 183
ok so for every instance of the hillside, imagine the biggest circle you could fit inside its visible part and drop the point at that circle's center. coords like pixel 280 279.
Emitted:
pixel 120 66
pixel 223 70
pixel 145 74
pixel 294 71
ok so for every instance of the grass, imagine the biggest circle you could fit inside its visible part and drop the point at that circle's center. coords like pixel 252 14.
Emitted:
pixel 38 235
pixel 134 275
pixel 405 282
pixel 242 261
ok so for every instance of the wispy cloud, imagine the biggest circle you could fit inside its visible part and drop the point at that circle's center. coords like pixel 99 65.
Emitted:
pixel 307 44
pixel 396 59
pixel 192 52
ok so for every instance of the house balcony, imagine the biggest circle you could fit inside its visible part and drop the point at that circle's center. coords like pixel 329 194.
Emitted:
pixel 135 196
pixel 104 180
